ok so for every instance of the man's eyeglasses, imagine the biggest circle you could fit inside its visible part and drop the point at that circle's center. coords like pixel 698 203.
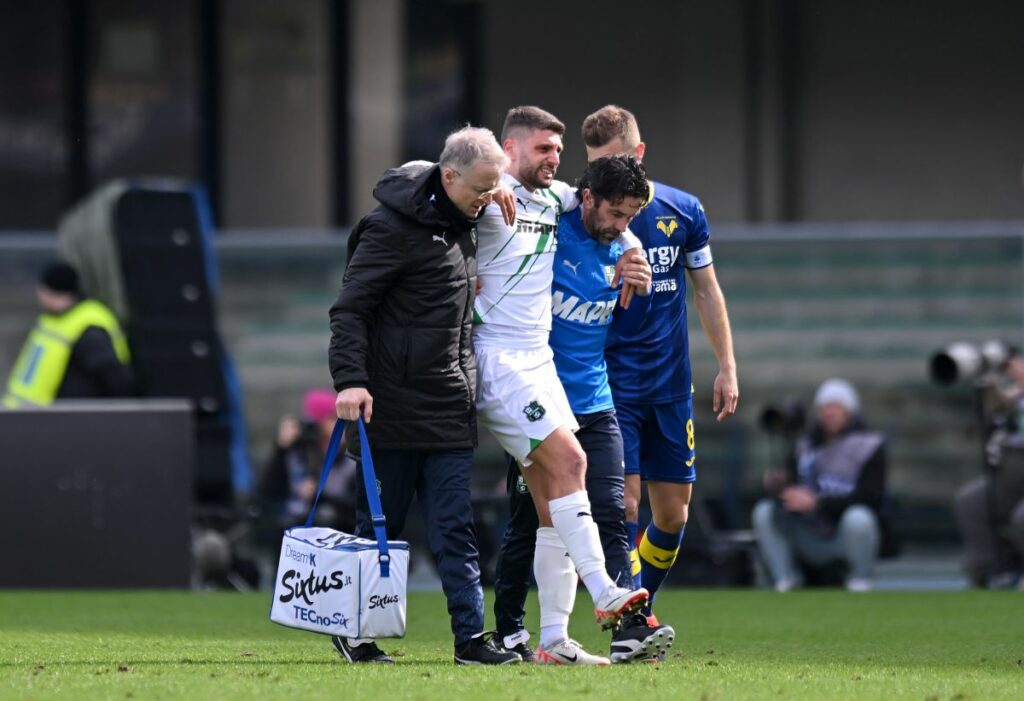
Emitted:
pixel 482 194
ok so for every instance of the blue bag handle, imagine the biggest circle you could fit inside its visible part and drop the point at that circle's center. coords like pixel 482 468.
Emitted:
pixel 369 482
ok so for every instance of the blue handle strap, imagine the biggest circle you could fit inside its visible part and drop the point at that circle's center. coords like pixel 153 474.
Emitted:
pixel 332 454
pixel 369 481
pixel 373 499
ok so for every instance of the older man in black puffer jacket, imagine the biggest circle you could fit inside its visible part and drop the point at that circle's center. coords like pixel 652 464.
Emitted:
pixel 401 355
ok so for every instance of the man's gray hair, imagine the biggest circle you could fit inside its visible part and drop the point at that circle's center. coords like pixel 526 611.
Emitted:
pixel 468 146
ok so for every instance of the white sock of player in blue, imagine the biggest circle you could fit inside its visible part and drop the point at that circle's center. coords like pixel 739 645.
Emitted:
pixel 571 517
pixel 556 586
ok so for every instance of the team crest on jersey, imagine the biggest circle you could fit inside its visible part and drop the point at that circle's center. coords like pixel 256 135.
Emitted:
pixel 521 485
pixel 667 225
pixel 609 274
pixel 534 411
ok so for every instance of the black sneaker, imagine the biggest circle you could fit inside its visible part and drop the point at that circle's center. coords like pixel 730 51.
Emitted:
pixel 518 643
pixel 636 641
pixel 366 652
pixel 480 649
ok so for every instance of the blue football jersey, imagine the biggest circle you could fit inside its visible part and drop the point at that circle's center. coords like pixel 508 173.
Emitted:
pixel 649 361
pixel 583 304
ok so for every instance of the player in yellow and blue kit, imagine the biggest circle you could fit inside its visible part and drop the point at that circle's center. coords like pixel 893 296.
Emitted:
pixel 649 368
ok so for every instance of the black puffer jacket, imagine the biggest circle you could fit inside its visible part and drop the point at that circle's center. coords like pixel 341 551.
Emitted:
pixel 401 326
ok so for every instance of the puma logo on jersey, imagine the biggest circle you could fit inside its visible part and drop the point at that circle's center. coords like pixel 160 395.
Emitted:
pixel 440 238
pixel 572 266
pixel 571 308
pixel 668 225
pixel 522 203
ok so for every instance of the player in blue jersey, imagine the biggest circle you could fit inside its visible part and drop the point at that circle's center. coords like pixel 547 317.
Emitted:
pixel 649 367
pixel 584 295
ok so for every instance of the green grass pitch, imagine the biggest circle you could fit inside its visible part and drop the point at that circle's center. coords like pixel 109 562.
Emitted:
pixel 730 645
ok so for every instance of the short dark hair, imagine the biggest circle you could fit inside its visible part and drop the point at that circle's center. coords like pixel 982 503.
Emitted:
pixel 613 178
pixel 530 118
pixel 59 276
pixel 608 123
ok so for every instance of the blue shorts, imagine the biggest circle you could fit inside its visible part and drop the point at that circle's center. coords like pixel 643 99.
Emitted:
pixel 658 441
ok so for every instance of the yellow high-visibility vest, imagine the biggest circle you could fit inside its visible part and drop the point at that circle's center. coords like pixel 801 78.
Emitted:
pixel 39 370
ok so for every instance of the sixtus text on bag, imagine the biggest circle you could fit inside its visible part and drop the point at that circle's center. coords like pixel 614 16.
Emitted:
pixel 297 586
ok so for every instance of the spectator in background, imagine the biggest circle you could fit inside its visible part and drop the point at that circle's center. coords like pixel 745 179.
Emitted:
pixel 828 505
pixel 76 350
pixel 292 474
pixel 990 509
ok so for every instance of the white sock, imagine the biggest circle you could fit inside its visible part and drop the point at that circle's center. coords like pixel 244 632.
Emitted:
pixel 571 518
pixel 556 586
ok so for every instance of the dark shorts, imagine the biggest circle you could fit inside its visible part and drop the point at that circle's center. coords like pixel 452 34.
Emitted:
pixel 658 441
pixel 601 440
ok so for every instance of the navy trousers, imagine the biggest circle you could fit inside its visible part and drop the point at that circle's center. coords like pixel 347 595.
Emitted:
pixel 602 442
pixel 440 479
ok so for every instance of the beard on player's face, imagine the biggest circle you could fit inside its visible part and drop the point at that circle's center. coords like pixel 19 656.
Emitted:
pixel 527 175
pixel 535 174
pixel 596 228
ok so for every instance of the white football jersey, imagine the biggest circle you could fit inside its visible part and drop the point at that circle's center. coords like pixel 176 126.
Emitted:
pixel 513 305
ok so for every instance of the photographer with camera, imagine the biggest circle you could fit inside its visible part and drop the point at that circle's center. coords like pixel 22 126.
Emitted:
pixel 291 475
pixel 989 510
pixel 827 506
